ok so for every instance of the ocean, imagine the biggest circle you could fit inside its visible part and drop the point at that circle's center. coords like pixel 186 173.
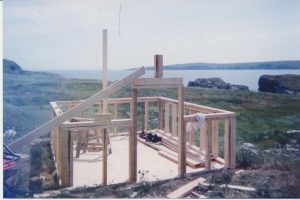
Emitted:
pixel 242 77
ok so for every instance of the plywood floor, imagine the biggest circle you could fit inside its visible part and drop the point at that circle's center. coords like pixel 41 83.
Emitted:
pixel 151 166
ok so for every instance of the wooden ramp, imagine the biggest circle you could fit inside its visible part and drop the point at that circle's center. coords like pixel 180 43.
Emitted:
pixel 76 110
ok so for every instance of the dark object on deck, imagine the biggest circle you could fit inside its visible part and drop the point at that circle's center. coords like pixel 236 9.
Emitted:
pixel 150 137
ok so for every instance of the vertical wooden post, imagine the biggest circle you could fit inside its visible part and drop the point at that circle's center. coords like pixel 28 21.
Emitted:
pixel 158 66
pixel 146 115
pixel 226 143
pixel 116 117
pixel 215 138
pixel 167 113
pixel 174 120
pixel 160 114
pixel 202 137
pixel 192 134
pixel 104 74
pixel 104 157
pixel 208 145
pixel 232 142
pixel 133 139
pixel 181 132
pixel 66 150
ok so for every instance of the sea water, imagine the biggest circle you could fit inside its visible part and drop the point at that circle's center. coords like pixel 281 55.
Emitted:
pixel 241 77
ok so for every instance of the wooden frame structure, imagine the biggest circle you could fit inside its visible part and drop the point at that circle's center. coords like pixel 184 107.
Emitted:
pixel 218 123
pixel 62 127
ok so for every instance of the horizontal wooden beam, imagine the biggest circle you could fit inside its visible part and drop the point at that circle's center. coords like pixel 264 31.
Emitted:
pixel 157 82
pixel 83 125
pixel 76 111
pixel 194 106
pixel 192 117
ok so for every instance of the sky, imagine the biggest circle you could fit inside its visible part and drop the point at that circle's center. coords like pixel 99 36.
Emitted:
pixel 67 34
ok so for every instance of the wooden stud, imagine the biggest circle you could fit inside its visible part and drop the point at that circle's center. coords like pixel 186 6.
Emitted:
pixel 192 134
pixel 226 142
pixel 202 137
pixel 232 142
pixel 75 111
pixel 181 133
pixel 116 117
pixel 160 115
pixel 208 145
pixel 174 119
pixel 66 158
pixel 146 115
pixel 167 113
pixel 215 138
pixel 104 72
pixel 133 140
pixel 104 157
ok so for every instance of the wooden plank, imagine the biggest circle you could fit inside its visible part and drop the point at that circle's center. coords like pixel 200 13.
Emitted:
pixel 226 142
pixel 186 189
pixel 133 140
pixel 157 82
pixel 47 127
pixel 66 158
pixel 232 142
pixel 215 138
pixel 116 116
pixel 174 119
pixel 167 114
pixel 160 115
pixel 174 158
pixel 146 115
pixel 215 116
pixel 208 145
pixel 195 106
pixel 202 137
pixel 84 125
pixel 104 159
pixel 181 134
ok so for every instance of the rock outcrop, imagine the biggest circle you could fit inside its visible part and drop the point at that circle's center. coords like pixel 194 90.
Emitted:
pixel 284 84
pixel 216 83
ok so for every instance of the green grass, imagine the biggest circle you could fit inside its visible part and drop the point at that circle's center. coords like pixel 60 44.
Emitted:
pixel 26 103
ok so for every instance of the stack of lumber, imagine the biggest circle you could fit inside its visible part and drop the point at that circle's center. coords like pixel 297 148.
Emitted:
pixel 167 148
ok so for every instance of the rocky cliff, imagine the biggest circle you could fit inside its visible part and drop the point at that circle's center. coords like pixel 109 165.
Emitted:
pixel 284 84
pixel 216 83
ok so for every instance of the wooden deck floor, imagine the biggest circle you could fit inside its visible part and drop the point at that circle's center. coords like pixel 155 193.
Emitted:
pixel 151 166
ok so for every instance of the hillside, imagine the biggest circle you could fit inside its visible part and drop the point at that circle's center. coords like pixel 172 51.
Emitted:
pixel 233 66
pixel 264 120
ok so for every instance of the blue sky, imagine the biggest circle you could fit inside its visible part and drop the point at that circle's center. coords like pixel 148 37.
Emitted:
pixel 67 34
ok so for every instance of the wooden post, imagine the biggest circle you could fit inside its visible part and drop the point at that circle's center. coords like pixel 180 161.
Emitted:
pixel 133 139
pixel 104 74
pixel 208 144
pixel 160 114
pixel 66 150
pixel 174 119
pixel 202 137
pixel 192 134
pixel 116 117
pixel 167 113
pixel 181 133
pixel 232 142
pixel 104 155
pixel 226 143
pixel 146 115
pixel 158 66
pixel 215 138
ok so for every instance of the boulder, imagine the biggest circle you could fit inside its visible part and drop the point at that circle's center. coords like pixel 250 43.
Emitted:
pixel 284 84
pixel 216 83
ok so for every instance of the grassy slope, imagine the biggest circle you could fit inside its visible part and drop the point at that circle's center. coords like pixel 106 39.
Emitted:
pixel 26 103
